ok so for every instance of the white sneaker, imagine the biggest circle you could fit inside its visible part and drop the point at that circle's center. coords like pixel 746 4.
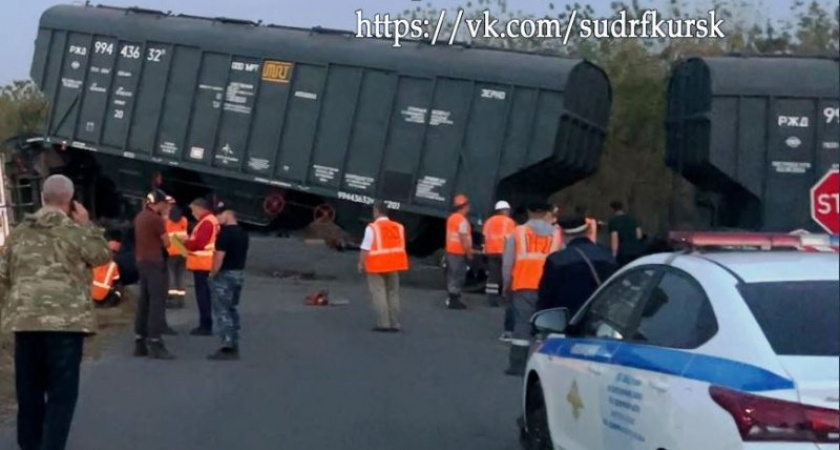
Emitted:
pixel 506 336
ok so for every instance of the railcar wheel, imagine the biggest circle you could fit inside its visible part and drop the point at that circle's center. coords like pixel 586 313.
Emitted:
pixel 324 213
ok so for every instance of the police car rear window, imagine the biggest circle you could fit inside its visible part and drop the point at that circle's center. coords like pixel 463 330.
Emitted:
pixel 799 318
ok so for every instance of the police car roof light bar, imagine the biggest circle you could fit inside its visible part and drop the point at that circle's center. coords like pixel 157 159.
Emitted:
pixel 762 241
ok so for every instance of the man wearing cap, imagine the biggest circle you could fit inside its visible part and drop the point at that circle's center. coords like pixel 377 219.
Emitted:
pixel 495 231
pixel 226 280
pixel 150 240
pixel 458 250
pixel 525 254
pixel 572 275
pixel 201 245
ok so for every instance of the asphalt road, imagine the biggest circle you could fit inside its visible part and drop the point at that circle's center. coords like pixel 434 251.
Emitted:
pixel 310 378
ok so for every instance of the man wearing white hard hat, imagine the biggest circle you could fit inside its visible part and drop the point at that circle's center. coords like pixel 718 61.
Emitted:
pixel 496 230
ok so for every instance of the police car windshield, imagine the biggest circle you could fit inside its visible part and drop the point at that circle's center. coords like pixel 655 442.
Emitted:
pixel 798 317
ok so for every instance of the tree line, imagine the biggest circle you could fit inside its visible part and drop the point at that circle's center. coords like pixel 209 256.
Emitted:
pixel 632 168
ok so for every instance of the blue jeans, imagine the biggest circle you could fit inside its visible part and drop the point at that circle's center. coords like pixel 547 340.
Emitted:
pixel 226 288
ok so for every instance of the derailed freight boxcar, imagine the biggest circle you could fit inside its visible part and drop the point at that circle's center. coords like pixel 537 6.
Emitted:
pixel 277 115
pixel 754 134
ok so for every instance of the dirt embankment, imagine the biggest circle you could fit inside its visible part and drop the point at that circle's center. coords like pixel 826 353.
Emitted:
pixel 111 321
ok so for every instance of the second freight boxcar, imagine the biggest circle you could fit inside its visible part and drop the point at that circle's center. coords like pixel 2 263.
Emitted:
pixel 754 134
pixel 275 115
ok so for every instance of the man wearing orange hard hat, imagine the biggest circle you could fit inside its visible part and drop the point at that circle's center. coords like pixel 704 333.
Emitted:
pixel 459 250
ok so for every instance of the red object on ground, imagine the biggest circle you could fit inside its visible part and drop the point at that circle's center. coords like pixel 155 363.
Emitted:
pixel 319 298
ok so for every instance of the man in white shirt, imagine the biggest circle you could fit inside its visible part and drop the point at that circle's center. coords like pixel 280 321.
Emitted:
pixel 382 257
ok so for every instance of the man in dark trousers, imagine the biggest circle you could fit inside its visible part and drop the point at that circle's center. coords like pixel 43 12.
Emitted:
pixel 201 245
pixel 625 235
pixel 45 271
pixel 573 274
pixel 226 279
pixel 150 240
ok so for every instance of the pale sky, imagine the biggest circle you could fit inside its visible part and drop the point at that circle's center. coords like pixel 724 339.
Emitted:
pixel 19 19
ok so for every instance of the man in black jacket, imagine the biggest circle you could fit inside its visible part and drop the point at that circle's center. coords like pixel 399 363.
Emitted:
pixel 572 275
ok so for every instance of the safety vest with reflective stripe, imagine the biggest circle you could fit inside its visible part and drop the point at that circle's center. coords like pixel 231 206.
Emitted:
pixel 453 238
pixel 592 232
pixel 176 229
pixel 531 251
pixel 202 260
pixel 387 252
pixel 496 230
pixel 104 277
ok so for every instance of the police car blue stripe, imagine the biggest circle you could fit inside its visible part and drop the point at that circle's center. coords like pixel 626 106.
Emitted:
pixel 679 363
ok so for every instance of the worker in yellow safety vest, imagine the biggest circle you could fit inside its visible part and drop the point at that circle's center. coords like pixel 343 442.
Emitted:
pixel 105 290
pixel 176 228
pixel 525 253
pixel 459 250
pixel 382 258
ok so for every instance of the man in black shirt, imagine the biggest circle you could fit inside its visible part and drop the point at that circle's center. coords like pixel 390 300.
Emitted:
pixel 226 279
pixel 625 235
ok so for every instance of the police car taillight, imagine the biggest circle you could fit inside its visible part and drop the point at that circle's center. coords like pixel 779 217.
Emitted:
pixel 756 241
pixel 768 419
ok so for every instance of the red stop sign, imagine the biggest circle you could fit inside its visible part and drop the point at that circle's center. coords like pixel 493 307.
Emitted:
pixel 825 202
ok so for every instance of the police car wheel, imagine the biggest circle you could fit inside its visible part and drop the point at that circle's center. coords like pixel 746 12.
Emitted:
pixel 538 436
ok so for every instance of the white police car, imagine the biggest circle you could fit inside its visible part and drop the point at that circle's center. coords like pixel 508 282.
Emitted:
pixel 694 351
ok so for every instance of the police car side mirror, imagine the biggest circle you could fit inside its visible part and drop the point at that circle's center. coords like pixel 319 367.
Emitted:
pixel 551 321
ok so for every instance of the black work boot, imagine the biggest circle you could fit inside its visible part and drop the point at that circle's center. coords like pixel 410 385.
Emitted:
pixel 455 302
pixel 140 347
pixel 158 351
pixel 225 354
pixel 518 360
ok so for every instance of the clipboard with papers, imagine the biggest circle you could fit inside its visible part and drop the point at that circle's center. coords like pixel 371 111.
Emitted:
pixel 176 242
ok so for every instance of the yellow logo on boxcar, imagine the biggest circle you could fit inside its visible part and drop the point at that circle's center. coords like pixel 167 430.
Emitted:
pixel 277 72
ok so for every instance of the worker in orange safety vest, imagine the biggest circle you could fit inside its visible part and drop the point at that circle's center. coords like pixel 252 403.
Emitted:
pixel 495 231
pixel 459 250
pixel 105 289
pixel 383 256
pixel 201 246
pixel 176 228
pixel 525 254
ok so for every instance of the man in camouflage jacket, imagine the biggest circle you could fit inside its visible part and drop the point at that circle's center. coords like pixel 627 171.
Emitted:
pixel 45 277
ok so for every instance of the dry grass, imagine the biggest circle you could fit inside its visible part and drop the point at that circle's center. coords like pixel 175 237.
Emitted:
pixel 111 321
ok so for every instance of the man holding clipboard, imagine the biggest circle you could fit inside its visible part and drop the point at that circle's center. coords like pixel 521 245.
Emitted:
pixel 200 248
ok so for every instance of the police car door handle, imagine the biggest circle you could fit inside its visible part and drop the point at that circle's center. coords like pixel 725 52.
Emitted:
pixel 595 369
pixel 659 385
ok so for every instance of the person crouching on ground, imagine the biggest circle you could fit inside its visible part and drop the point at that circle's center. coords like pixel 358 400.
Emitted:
pixel 45 275
pixel 226 280
pixel 382 258
pixel 106 289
